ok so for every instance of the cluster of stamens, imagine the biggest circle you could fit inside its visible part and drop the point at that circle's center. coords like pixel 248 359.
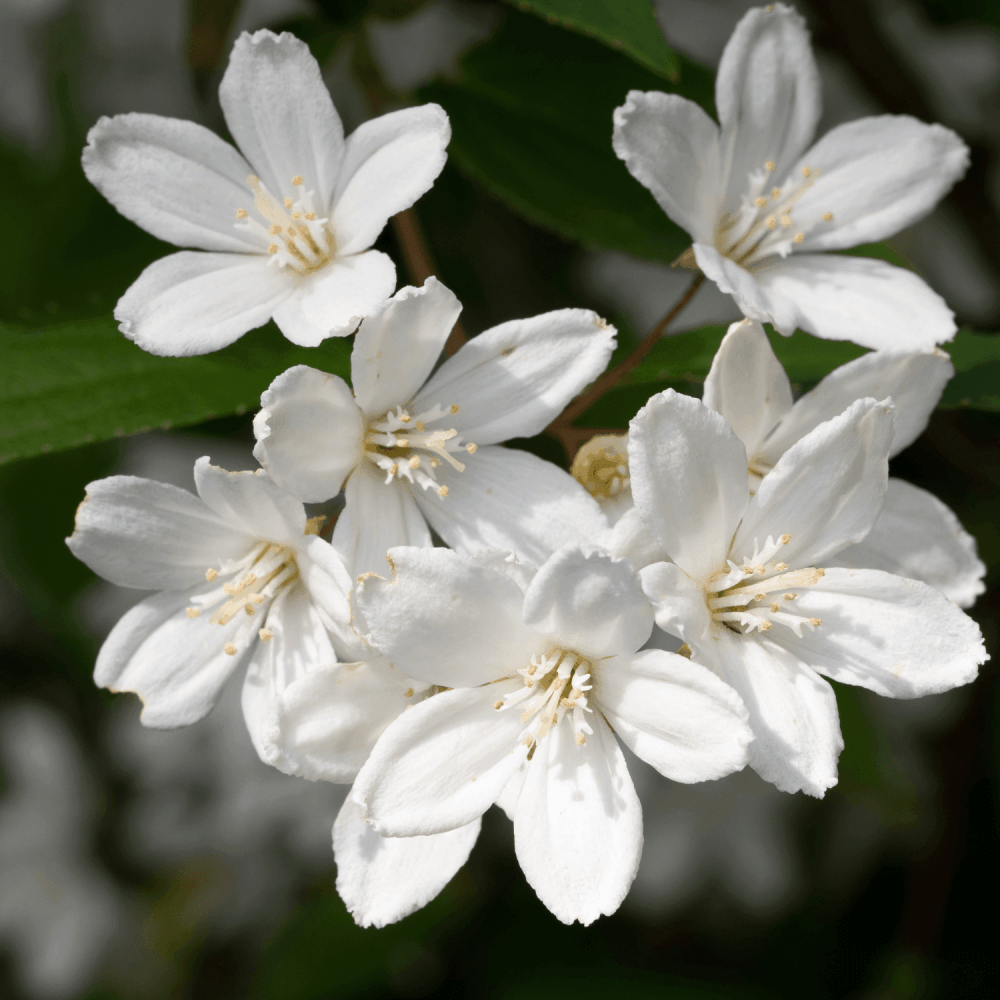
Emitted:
pixel 401 445
pixel 601 466
pixel 756 595
pixel 295 236
pixel 253 584
pixel 763 225
pixel 555 684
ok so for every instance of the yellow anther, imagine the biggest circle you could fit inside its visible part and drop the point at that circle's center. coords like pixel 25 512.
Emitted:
pixel 775 607
pixel 785 539
pixel 265 634
pixel 815 621
pixel 275 229
pixel 241 213
pixel 435 462
pixel 443 492
pixel 249 609
pixel 799 237
pixel 685 651
pixel 806 171
pixel 766 626
pixel 580 739
pixel 296 215
pixel 770 8
pixel 760 569
pixel 414 462
pixel 785 220
pixel 230 649
pixel 210 575
pixel 310 216
pixel 288 204
pixel 771 222
pixel 780 567
pixel 471 448
pixel 498 705
pixel 193 612
pixel 419 426
pixel 297 180
pixel 789 597
pixel 453 408
pixel 760 202
pixel 408 693
pixel 405 418
pixel 527 741
pixel 402 442
pixel 828 216
pixel 273 248
pixel 775 193
pixel 393 469
pixel 771 166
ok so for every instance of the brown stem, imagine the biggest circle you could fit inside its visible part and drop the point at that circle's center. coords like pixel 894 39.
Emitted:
pixel 562 429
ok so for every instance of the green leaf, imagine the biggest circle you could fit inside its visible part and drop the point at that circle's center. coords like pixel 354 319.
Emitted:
pixel 76 383
pixel 976 384
pixel 531 118
pixel 628 26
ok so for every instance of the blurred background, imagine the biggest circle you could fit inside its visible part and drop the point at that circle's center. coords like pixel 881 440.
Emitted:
pixel 155 865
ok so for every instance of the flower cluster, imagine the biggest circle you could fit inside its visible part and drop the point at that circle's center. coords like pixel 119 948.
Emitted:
pixel 479 626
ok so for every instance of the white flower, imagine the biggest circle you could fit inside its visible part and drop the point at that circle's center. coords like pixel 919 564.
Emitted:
pixel 545 671
pixel 915 535
pixel 242 577
pixel 413 448
pixel 759 203
pixel 751 589
pixel 287 229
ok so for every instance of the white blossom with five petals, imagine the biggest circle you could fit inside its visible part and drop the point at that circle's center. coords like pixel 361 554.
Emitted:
pixel 761 204
pixel 286 228
pixel 751 589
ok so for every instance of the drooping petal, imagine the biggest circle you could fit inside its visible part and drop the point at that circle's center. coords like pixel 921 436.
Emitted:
pixel 389 162
pixel 793 712
pixel 149 535
pixel 513 380
pixel 899 638
pixel 175 179
pixel 196 303
pixel 691 505
pixel 175 664
pixel 748 385
pixel 333 301
pixel 918 537
pixel 875 177
pixel 578 825
pixel 860 299
pixel 446 620
pixel 280 114
pixel 589 602
pixel 329 584
pixel 383 879
pixel 672 147
pixel 914 381
pixel 441 764
pixel 309 433
pixel 376 517
pixel 826 491
pixel 674 714
pixel 678 601
pixel 397 346
pixel 509 499
pixel 251 500
pixel 767 93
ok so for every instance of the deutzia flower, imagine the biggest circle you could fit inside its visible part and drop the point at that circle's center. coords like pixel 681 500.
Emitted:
pixel 544 671
pixel 751 590
pixel 760 204
pixel 287 226
pixel 413 448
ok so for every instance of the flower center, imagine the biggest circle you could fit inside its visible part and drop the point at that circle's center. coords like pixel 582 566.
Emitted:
pixel 403 447
pixel 294 236
pixel 601 466
pixel 760 592
pixel 253 583
pixel 764 225
pixel 554 684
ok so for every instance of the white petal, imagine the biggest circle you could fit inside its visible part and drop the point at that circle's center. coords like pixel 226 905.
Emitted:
pixel 793 712
pixel 748 385
pixel 509 499
pixel 329 584
pixel 441 764
pixel 767 93
pixel 689 480
pixel 918 537
pixel 630 539
pixel 309 433
pixel 389 162
pixel 149 535
pixel 251 501
pixel 195 303
pixel 376 517
pixel 876 176
pixel 383 879
pixel 899 638
pixel 175 664
pixel 176 179
pixel 672 147
pixel 678 602
pixel 280 114
pixel 513 380
pixel 826 490
pixel 334 300
pixel 914 381
pixel 397 346
pixel 445 620
pixel 674 714
pixel 578 825
pixel 743 286
pixel 860 299
pixel 511 791
pixel 589 602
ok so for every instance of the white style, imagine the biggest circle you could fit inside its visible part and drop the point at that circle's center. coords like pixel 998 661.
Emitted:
pixel 286 228
pixel 751 589
pixel 761 204
pixel 544 670
pixel 409 450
